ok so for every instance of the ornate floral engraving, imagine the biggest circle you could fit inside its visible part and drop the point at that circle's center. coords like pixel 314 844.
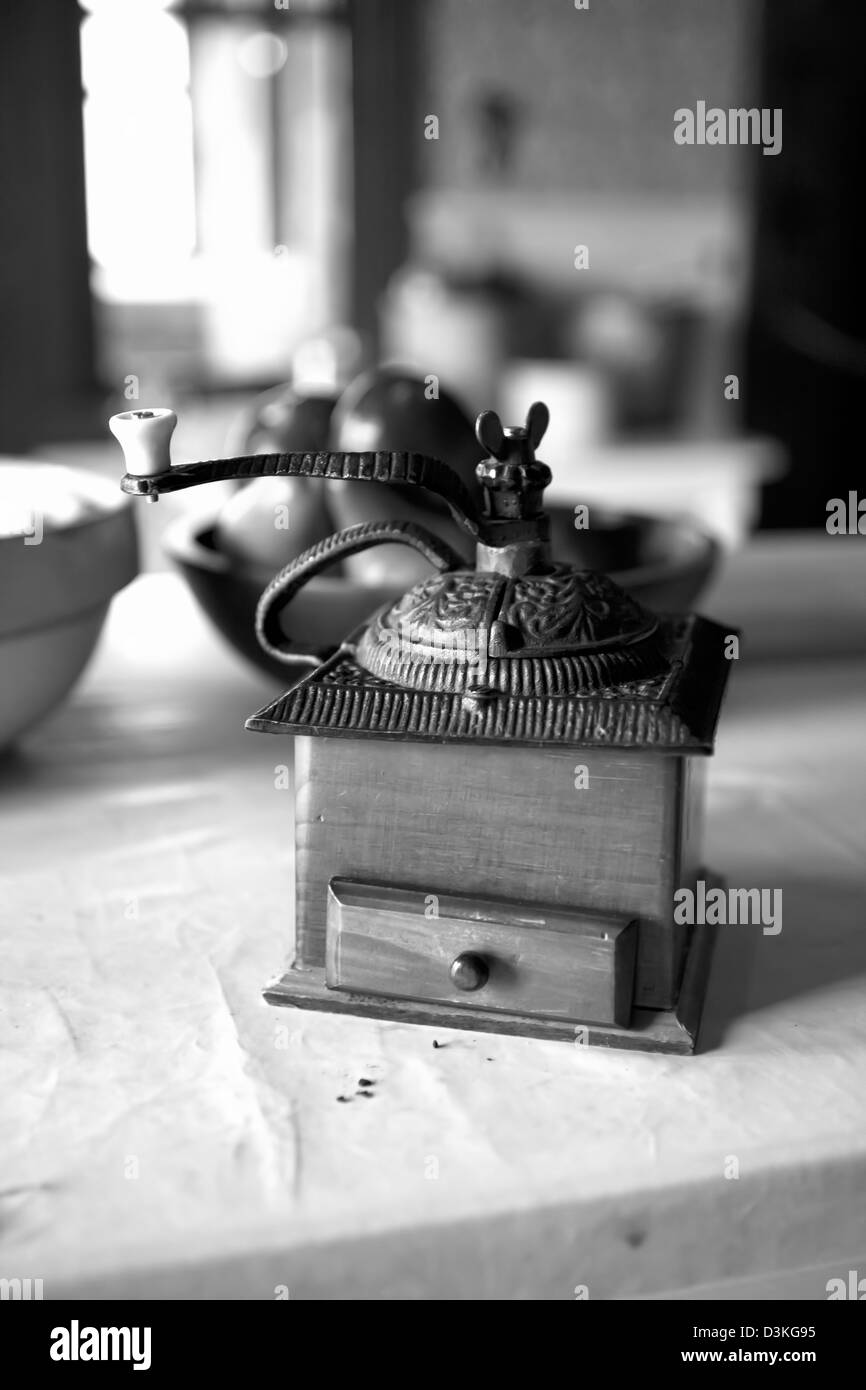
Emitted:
pixel 572 607
pixel 445 603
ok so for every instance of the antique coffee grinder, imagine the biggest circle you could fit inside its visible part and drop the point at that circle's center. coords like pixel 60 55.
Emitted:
pixel 497 777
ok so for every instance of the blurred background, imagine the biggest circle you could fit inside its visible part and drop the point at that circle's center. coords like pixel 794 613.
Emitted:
pixel 353 224
pixel 195 188
pixel 211 199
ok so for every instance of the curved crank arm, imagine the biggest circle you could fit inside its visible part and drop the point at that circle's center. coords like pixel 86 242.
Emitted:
pixel 144 436
pixel 285 586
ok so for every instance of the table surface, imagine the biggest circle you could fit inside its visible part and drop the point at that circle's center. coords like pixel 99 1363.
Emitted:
pixel 165 1133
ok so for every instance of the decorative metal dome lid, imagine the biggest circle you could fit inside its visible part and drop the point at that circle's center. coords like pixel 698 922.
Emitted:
pixel 558 632
pixel 518 650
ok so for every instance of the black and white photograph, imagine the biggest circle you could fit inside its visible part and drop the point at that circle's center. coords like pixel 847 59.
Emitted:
pixel 432 672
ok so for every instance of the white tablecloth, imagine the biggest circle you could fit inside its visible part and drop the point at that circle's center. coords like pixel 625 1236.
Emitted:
pixel 164 1133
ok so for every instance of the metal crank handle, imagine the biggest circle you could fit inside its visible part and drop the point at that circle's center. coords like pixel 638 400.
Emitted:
pixel 145 435
pixel 285 586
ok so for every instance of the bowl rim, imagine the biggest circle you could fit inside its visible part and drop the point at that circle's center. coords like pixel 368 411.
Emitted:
pixel 77 566
pixel 92 487
pixel 182 542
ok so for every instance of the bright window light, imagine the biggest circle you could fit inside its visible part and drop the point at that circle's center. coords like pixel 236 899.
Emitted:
pixel 138 136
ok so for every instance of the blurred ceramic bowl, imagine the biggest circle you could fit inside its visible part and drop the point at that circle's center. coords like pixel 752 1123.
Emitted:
pixel 67 544
pixel 228 590
pixel 664 563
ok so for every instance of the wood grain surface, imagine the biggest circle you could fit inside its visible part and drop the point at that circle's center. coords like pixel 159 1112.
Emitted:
pixel 498 822
pixel 402 943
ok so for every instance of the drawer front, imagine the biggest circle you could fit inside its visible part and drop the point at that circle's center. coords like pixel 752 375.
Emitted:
pixel 480 953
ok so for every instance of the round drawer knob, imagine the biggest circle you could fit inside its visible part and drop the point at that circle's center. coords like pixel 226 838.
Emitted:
pixel 469 971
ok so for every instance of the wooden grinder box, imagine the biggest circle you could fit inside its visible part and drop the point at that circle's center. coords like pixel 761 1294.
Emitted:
pixel 498 778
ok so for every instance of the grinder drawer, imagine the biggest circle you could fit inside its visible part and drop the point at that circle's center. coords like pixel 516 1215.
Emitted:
pixel 480 953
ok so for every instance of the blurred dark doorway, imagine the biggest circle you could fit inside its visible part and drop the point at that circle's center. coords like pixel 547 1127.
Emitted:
pixel 46 345
pixel 807 340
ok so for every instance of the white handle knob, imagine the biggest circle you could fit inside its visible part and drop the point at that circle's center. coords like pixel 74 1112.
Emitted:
pixel 144 436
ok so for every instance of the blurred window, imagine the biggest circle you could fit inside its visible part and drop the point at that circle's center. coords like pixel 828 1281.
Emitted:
pixel 218 176
pixel 138 139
